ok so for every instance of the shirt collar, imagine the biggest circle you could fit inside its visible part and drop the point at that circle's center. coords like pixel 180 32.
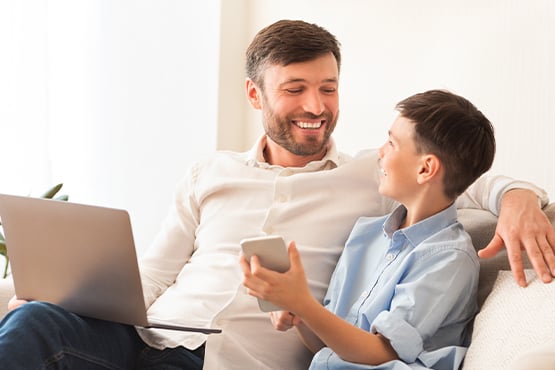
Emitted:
pixel 255 156
pixel 416 233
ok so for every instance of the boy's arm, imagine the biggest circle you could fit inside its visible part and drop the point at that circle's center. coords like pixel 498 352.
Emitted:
pixel 347 341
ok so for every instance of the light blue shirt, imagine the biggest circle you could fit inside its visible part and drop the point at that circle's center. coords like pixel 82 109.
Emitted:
pixel 416 286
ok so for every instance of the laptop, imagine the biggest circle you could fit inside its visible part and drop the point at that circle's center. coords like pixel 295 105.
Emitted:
pixel 80 257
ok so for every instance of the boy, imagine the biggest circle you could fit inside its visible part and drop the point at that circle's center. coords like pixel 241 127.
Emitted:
pixel 405 286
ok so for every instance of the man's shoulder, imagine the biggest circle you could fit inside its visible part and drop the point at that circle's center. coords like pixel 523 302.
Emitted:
pixel 223 156
pixel 360 157
pixel 364 153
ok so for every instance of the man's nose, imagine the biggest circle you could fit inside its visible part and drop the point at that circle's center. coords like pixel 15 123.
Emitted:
pixel 314 103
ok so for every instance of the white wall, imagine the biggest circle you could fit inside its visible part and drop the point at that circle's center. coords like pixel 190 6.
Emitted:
pixel 500 54
pixel 114 98
pixel 117 98
pixel 23 91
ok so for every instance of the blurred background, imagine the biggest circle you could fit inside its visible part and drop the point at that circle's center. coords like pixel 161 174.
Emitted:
pixel 117 98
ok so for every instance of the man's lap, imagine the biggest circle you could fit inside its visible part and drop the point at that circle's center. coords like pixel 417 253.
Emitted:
pixel 40 334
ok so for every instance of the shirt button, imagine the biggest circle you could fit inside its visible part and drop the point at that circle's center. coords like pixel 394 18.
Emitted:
pixel 389 256
pixel 281 198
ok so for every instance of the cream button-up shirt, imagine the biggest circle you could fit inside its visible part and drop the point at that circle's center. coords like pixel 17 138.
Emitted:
pixel 191 275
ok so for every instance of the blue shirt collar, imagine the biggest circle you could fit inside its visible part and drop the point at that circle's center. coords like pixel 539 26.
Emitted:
pixel 418 232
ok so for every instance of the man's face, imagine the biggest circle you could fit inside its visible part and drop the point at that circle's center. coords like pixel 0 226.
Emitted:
pixel 300 105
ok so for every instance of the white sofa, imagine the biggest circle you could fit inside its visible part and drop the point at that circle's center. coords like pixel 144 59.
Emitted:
pixel 515 328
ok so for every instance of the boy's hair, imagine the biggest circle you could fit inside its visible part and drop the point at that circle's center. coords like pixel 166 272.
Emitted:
pixel 285 42
pixel 453 129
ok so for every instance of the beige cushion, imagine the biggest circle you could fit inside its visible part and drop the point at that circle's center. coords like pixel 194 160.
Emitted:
pixel 481 226
pixel 6 292
pixel 512 321
pixel 542 358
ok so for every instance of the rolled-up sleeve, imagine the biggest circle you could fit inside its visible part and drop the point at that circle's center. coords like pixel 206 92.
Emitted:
pixel 403 337
pixel 422 308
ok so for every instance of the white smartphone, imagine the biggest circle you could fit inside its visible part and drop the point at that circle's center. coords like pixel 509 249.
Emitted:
pixel 272 253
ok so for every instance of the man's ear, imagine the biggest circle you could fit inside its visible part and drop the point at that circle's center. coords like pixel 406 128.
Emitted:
pixel 430 167
pixel 253 94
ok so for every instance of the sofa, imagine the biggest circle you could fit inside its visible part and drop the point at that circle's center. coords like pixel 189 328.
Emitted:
pixel 515 327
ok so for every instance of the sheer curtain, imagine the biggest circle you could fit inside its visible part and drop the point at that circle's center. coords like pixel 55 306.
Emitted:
pixel 113 98
pixel 23 96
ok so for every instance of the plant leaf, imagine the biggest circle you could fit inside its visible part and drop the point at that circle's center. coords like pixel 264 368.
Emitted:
pixel 3 249
pixel 4 252
pixel 52 191
pixel 64 197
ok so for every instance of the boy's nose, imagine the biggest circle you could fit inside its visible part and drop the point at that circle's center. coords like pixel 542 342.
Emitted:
pixel 381 151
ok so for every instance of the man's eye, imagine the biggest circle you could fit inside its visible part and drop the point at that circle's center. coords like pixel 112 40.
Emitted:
pixel 294 91
pixel 330 90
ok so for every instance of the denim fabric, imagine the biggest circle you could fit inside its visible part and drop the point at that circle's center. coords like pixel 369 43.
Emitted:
pixel 40 335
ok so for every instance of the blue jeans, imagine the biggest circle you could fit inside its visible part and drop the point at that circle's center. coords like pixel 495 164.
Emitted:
pixel 40 335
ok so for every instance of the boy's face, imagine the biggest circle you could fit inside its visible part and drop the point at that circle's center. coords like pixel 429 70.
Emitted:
pixel 400 163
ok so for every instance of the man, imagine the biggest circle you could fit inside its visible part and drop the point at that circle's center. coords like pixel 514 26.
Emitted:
pixel 294 183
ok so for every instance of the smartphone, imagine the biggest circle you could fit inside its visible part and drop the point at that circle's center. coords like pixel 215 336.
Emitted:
pixel 272 253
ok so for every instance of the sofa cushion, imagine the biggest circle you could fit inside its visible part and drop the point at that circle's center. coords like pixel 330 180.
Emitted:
pixel 481 225
pixel 512 321
pixel 6 293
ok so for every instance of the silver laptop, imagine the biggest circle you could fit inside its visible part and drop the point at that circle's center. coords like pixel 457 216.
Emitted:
pixel 80 257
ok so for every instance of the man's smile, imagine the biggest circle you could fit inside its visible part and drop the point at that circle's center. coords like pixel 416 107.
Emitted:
pixel 308 125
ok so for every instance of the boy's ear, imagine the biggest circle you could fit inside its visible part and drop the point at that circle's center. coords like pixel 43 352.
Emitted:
pixel 429 169
pixel 253 94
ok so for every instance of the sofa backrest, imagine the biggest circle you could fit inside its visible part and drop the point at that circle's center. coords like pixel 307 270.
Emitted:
pixel 481 225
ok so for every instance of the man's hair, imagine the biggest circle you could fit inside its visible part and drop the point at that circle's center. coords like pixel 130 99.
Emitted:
pixel 453 129
pixel 285 42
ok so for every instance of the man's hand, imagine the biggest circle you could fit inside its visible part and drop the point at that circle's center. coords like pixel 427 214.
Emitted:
pixel 522 225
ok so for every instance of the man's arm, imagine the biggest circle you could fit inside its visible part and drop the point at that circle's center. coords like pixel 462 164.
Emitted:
pixel 173 245
pixel 522 225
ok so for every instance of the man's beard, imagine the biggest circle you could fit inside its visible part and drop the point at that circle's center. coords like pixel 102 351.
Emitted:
pixel 279 130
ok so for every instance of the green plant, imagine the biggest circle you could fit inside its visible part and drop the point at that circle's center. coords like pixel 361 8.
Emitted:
pixel 49 194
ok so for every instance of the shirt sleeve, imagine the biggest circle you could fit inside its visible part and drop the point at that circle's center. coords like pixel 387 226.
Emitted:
pixel 486 192
pixel 432 296
pixel 174 244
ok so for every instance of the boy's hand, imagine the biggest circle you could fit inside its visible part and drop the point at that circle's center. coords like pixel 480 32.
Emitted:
pixel 288 290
